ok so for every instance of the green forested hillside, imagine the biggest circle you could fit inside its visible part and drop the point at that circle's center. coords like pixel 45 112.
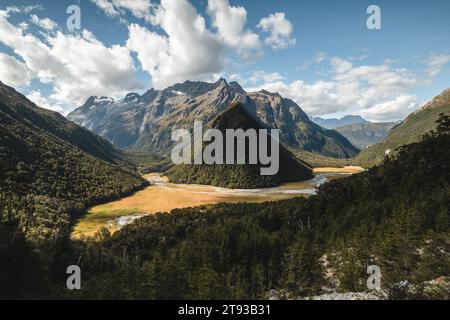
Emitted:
pixel 52 169
pixel 243 176
pixel 395 215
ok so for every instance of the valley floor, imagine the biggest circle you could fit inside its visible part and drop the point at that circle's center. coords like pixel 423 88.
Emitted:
pixel 163 196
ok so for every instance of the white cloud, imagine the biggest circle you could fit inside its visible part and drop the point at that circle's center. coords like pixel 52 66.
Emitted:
pixel 45 23
pixel 23 9
pixel 436 63
pixel 36 97
pixel 188 51
pixel 399 107
pixel 280 30
pixel 341 65
pixel 118 8
pixel 262 76
pixel 13 72
pixel 180 46
pixel 318 58
pixel 379 92
pixel 231 25
pixel 77 65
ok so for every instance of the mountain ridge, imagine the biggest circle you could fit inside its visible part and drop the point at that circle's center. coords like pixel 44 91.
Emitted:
pixel 333 123
pixel 363 135
pixel 145 123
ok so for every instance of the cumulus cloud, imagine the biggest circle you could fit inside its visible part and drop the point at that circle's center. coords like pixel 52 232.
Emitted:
pixel 45 23
pixel 280 30
pixel 181 46
pixel 13 72
pixel 188 51
pixel 400 107
pixel 76 65
pixel 262 76
pixel 118 8
pixel 436 63
pixel 380 92
pixel 231 25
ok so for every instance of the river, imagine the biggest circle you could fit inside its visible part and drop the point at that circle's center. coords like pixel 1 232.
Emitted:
pixel 163 196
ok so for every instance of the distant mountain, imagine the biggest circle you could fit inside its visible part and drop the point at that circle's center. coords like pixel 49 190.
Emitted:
pixel 363 135
pixel 51 168
pixel 243 176
pixel 145 122
pixel 410 130
pixel 334 123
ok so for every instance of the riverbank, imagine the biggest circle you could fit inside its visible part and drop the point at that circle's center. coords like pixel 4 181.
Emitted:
pixel 163 196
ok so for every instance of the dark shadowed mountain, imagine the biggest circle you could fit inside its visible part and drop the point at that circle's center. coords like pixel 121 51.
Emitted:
pixel 242 176
pixel 334 122
pixel 145 122
pixel 409 131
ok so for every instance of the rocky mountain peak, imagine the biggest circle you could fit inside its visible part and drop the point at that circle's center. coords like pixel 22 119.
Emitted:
pixel 132 96
pixel 222 82
pixel 237 87
pixel 145 122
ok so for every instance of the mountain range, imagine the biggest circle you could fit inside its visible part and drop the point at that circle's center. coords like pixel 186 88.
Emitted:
pixel 363 135
pixel 145 122
pixel 332 123
pixel 359 131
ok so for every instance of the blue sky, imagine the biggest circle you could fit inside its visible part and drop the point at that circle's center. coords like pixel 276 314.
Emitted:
pixel 319 53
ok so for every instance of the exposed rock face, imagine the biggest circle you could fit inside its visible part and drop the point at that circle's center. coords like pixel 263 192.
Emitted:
pixel 145 122
pixel 366 295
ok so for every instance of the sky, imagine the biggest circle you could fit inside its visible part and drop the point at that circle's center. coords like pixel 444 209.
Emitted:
pixel 319 53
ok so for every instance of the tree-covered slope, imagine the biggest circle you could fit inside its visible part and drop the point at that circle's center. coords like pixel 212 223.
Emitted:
pixel 395 216
pixel 51 168
pixel 240 176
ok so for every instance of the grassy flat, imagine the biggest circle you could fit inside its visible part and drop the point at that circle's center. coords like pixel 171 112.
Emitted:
pixel 164 197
